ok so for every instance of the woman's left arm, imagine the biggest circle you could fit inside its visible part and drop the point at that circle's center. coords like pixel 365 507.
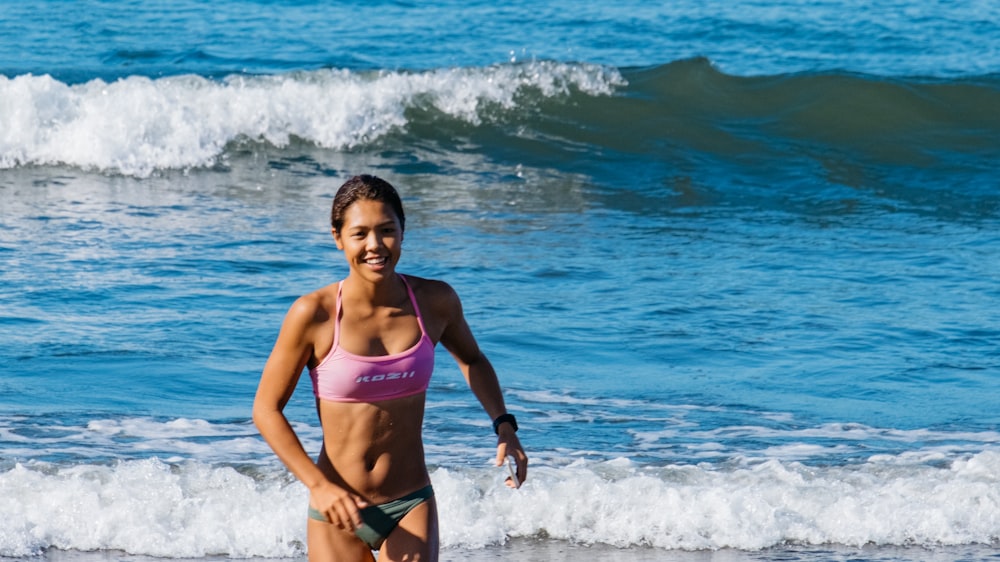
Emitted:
pixel 457 338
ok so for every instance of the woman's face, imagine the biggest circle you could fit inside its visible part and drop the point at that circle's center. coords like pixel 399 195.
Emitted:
pixel 371 238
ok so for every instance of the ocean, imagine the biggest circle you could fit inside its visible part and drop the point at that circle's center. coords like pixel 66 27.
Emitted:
pixel 736 263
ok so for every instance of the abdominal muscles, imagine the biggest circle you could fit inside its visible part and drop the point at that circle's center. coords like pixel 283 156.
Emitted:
pixel 374 449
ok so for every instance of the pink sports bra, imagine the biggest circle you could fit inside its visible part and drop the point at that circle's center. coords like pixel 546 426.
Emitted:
pixel 346 377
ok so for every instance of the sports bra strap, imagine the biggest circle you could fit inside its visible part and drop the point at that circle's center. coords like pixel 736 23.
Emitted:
pixel 336 319
pixel 413 301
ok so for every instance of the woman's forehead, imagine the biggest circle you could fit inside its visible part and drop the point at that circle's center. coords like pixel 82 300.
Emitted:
pixel 367 211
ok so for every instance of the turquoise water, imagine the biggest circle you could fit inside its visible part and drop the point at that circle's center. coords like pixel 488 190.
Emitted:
pixel 735 263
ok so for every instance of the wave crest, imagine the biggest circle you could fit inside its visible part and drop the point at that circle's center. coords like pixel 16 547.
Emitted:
pixel 137 125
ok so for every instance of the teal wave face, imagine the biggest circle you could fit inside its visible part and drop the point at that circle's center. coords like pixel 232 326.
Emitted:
pixel 692 134
pixel 690 106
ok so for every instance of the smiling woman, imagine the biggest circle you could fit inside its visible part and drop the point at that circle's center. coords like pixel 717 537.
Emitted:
pixel 375 221
pixel 368 342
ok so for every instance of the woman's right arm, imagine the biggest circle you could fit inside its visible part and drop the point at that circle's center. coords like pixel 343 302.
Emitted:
pixel 288 358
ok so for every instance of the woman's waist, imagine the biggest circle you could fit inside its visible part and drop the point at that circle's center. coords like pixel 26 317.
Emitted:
pixel 377 474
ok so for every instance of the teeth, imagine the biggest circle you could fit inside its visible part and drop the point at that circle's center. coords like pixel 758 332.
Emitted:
pixel 375 261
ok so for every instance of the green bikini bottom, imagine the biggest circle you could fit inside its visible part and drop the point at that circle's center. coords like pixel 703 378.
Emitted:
pixel 380 520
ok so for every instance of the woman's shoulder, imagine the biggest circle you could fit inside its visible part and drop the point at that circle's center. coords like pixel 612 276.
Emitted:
pixel 314 307
pixel 438 302
pixel 433 293
pixel 429 288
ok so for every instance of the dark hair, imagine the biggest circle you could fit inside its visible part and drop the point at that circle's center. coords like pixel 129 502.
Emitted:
pixel 369 188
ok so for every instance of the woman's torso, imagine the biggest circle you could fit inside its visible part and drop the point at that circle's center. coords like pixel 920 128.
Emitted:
pixel 372 439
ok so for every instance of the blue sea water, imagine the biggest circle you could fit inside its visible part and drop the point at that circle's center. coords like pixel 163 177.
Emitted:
pixel 736 263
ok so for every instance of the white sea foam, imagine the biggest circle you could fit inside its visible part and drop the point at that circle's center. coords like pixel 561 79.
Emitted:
pixel 150 507
pixel 137 125
pixel 147 507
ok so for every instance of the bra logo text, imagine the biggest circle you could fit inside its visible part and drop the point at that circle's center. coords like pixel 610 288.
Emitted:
pixel 386 377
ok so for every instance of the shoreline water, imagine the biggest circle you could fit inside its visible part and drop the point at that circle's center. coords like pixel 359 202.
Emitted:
pixel 536 550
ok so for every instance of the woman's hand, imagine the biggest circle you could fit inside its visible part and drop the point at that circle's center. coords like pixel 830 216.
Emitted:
pixel 339 506
pixel 509 445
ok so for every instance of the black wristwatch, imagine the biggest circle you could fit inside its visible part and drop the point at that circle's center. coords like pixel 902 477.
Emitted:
pixel 504 418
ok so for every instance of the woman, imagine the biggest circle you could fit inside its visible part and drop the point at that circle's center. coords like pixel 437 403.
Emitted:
pixel 368 342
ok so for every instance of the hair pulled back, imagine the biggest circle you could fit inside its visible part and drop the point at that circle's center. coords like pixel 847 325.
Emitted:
pixel 369 188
